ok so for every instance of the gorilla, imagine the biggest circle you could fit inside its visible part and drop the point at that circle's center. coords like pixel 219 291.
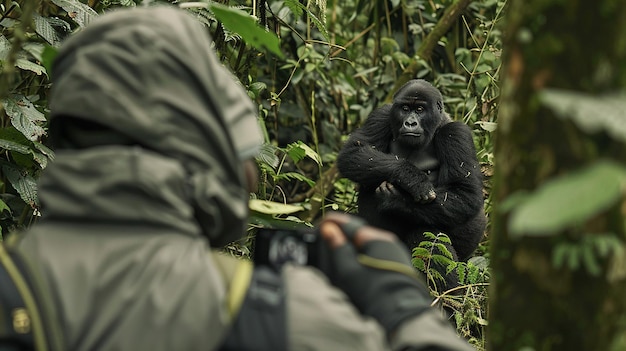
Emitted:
pixel 417 171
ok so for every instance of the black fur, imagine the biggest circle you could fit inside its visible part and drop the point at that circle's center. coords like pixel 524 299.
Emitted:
pixel 410 184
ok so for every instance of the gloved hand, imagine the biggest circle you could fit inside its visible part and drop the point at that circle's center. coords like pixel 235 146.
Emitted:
pixel 374 269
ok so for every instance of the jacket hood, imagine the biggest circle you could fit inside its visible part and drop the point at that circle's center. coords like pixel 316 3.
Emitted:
pixel 149 77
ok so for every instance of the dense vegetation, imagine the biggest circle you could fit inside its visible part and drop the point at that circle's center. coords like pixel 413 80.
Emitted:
pixel 333 62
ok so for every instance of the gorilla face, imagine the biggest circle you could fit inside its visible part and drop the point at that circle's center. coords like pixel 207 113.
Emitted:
pixel 416 113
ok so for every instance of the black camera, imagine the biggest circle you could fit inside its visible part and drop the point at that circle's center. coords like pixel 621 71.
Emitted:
pixel 276 246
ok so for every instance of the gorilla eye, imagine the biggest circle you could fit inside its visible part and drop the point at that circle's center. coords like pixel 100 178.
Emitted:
pixel 420 108
pixel 405 108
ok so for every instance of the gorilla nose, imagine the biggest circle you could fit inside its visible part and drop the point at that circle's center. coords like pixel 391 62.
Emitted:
pixel 412 127
pixel 410 124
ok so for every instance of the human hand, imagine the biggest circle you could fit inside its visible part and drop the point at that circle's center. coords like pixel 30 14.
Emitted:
pixel 358 231
pixel 374 269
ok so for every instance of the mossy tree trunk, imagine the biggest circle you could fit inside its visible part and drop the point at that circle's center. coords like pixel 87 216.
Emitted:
pixel 542 299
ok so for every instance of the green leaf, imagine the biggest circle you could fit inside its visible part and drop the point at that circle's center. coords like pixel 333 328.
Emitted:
pixel 461 269
pixel 262 220
pixel 451 267
pixel 319 24
pixel 590 261
pixel 608 110
pixel 299 149
pixel 420 252
pixel 419 264
pixel 246 26
pixel 296 152
pixel 472 275
pixel 30 66
pixel 267 155
pixel 79 12
pixel 560 254
pixel 34 49
pixel 24 116
pixel 573 257
pixel 255 89
pixel 5 47
pixel 435 275
pixel 430 236
pixel 443 250
pixel 273 208
pixel 296 176
pixel 296 7
pixel 12 140
pixel 44 150
pixel 568 200
pixel 40 158
pixel 127 3
pixel 606 243
pixel 442 260
pixel 45 27
pixel 488 126
pixel 426 244
pixel 480 262
pixel 4 206
pixel 23 183
pixel 13 146
pixel 443 238
pixel 474 272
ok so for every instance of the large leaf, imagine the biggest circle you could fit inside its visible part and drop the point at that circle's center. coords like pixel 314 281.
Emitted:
pixel 24 116
pixel 569 200
pixel 12 140
pixel 246 26
pixel 13 146
pixel 30 66
pixel 47 28
pixel 273 208
pixel 23 183
pixel 79 12
pixel 261 220
pixel 591 113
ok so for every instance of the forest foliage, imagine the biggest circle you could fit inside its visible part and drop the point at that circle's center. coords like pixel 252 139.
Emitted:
pixel 315 68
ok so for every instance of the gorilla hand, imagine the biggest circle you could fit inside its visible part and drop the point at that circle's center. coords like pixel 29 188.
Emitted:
pixel 386 191
pixel 425 193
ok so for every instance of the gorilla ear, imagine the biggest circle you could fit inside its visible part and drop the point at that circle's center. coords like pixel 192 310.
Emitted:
pixel 440 106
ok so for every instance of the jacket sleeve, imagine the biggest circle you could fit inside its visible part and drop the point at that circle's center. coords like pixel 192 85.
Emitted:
pixel 428 332
pixel 321 317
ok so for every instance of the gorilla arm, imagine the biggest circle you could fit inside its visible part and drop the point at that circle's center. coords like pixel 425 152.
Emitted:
pixel 364 159
pixel 459 185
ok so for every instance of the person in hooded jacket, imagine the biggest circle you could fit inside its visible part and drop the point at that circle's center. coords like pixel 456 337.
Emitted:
pixel 155 144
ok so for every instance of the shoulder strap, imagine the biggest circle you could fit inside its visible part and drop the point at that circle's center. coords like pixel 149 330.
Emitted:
pixel 21 319
pixel 237 274
pixel 261 324
pixel 256 303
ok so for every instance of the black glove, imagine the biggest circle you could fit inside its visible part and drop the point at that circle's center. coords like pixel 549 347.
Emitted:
pixel 379 279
